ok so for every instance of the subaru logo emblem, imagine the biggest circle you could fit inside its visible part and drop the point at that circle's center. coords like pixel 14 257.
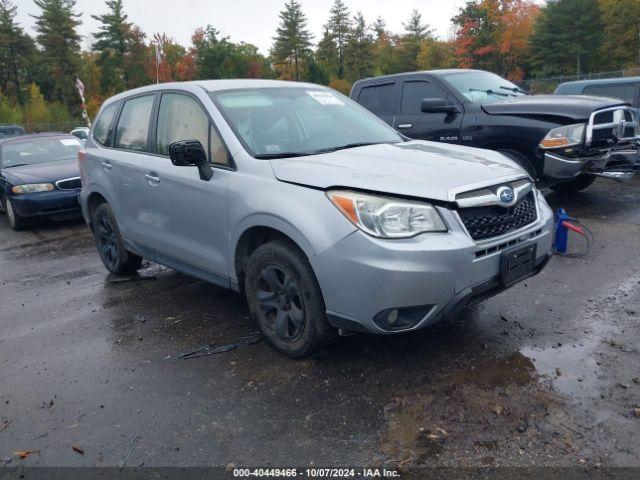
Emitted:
pixel 506 195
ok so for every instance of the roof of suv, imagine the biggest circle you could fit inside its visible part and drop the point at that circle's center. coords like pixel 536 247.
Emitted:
pixel 217 85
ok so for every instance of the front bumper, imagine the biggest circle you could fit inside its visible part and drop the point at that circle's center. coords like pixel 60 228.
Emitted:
pixel 55 203
pixel 616 165
pixel 435 275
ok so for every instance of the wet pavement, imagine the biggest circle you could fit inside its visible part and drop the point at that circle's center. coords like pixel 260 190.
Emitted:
pixel 547 373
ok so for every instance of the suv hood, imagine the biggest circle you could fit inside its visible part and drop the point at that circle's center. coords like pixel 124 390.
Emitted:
pixel 45 172
pixel 575 107
pixel 421 169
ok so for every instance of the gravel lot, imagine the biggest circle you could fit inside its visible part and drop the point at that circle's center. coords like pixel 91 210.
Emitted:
pixel 547 373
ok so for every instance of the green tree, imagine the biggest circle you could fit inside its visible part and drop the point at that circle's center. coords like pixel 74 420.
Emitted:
pixel 339 30
pixel 567 38
pixel 292 42
pixel 36 113
pixel 17 52
pixel 9 113
pixel 60 50
pixel 436 54
pixel 112 45
pixel 621 44
pixel 358 58
pixel 138 59
pixel 327 53
pixel 415 32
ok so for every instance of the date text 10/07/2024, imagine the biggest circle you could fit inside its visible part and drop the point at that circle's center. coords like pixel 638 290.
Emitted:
pixel 316 472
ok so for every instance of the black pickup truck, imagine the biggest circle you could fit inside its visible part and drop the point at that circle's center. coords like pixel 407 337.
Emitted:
pixel 563 141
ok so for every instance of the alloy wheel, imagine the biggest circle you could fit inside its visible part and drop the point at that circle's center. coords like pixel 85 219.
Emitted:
pixel 108 241
pixel 280 303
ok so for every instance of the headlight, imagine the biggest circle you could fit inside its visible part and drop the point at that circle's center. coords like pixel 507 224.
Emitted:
pixel 33 187
pixel 566 136
pixel 387 217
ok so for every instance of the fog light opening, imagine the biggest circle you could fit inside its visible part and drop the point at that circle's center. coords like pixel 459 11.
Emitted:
pixel 405 318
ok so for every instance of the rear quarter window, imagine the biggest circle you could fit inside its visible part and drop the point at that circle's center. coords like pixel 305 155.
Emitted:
pixel 102 127
pixel 378 99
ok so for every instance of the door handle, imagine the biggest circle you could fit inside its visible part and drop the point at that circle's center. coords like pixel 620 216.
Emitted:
pixel 106 165
pixel 405 125
pixel 152 179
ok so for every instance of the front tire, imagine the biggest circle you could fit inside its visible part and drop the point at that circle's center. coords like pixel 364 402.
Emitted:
pixel 16 222
pixel 115 257
pixel 573 186
pixel 285 299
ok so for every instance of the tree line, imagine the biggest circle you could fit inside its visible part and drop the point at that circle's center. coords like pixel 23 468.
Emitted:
pixel 514 38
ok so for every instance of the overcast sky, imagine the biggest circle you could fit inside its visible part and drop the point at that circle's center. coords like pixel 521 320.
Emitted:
pixel 251 21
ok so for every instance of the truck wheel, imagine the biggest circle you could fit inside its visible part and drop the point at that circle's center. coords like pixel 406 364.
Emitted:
pixel 573 186
pixel 521 160
pixel 16 222
pixel 285 299
pixel 117 259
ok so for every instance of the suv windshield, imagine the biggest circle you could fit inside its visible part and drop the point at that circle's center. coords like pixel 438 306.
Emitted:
pixel 483 87
pixel 289 122
pixel 38 150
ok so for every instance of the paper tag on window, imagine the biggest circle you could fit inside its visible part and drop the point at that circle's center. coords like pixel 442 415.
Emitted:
pixel 325 98
pixel 69 142
pixel 272 148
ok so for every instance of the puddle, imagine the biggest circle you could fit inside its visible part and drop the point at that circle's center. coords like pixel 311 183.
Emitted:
pixel 571 369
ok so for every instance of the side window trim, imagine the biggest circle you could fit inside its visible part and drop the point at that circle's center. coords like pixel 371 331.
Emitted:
pixel 156 114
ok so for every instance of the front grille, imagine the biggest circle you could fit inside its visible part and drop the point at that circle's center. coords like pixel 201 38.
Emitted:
pixel 69 184
pixel 607 127
pixel 493 221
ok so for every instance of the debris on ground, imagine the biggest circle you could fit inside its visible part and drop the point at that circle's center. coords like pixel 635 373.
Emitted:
pixel 123 462
pixel 77 448
pixel 211 349
pixel 24 453
pixel 5 424
pixel 636 412
pixel 129 278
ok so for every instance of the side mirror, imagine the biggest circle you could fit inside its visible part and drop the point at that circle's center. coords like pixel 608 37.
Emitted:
pixel 437 105
pixel 190 153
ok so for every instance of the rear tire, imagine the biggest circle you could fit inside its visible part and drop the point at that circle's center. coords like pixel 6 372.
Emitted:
pixel 115 257
pixel 285 299
pixel 16 222
pixel 521 160
pixel 573 186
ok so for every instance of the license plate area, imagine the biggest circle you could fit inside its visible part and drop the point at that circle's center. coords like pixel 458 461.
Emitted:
pixel 517 263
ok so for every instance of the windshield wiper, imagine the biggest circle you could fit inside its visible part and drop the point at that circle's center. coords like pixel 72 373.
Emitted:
pixel 16 165
pixel 489 92
pixel 271 156
pixel 344 147
pixel 514 89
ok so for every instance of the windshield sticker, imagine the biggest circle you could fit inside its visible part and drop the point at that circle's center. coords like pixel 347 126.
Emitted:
pixel 69 142
pixel 325 98
pixel 272 148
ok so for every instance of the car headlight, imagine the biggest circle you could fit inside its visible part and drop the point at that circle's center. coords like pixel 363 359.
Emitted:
pixel 566 136
pixel 387 217
pixel 33 187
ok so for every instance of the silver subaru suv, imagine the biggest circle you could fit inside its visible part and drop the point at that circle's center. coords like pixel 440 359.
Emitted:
pixel 322 215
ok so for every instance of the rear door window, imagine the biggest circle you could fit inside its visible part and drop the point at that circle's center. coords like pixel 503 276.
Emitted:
pixel 379 99
pixel 133 124
pixel 102 127
pixel 625 92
